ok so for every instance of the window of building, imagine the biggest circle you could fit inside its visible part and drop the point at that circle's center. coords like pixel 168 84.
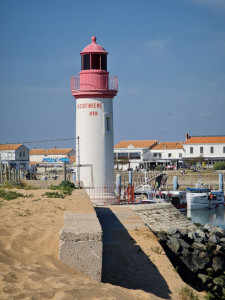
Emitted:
pixel 223 149
pixel 169 154
pixel 107 124
pixel 191 150
pixel 95 61
pixel 23 153
pixel 86 62
pixel 201 150
pixel 135 155
pixel 104 62
pixel 180 154
pixel 20 153
pixel 122 155
pixel 160 155
pixel 154 154
pixel 211 150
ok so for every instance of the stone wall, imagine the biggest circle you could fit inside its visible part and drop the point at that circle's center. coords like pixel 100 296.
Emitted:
pixel 81 243
pixel 162 217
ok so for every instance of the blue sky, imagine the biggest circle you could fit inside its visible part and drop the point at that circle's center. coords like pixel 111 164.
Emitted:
pixel 169 56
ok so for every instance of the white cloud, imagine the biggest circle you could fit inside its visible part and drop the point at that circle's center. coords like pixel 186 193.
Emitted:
pixel 158 49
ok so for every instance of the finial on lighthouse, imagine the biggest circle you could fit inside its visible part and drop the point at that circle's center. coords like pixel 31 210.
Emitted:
pixel 93 39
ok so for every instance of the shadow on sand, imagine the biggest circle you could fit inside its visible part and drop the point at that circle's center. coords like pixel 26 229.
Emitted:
pixel 124 263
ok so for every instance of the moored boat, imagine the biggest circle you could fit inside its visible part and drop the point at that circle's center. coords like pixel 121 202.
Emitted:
pixel 200 199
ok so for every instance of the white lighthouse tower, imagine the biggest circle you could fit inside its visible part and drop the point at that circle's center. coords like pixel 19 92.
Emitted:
pixel 94 91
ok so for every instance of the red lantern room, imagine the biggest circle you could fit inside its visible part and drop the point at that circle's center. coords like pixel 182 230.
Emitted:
pixel 94 79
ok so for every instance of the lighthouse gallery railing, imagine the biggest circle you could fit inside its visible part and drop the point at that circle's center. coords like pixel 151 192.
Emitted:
pixel 112 83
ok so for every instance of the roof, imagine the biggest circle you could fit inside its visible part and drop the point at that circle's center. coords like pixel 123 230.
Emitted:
pixel 205 140
pixel 168 145
pixel 136 144
pixel 54 151
pixel 93 47
pixel 10 146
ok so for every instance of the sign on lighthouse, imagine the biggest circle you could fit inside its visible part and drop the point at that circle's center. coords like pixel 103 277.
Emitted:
pixel 94 91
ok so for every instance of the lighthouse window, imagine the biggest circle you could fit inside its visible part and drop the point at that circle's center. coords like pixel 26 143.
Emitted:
pixel 107 123
pixel 86 62
pixel 95 61
pixel 103 62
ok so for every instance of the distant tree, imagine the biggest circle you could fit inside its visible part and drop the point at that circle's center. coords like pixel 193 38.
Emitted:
pixel 219 165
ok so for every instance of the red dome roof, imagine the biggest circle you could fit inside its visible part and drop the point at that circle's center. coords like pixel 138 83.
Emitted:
pixel 94 47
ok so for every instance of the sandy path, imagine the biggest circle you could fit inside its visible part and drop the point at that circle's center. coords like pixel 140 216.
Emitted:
pixel 29 242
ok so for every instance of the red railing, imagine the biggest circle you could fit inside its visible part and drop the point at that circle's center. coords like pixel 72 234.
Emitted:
pixel 109 82
pixel 109 195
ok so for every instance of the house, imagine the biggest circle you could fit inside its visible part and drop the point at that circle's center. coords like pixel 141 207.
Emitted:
pixel 168 153
pixel 133 154
pixel 51 156
pixel 14 155
pixel 208 148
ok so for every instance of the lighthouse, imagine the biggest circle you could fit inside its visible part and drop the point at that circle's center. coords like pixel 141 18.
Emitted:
pixel 94 90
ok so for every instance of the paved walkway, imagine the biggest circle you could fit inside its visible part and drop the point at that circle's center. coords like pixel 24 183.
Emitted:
pixel 130 257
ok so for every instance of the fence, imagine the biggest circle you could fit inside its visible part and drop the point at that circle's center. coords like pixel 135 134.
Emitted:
pixel 111 195
pixel 8 174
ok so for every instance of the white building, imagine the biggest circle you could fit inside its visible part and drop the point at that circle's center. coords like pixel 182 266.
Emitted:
pixel 14 155
pixel 51 156
pixel 168 153
pixel 133 154
pixel 211 148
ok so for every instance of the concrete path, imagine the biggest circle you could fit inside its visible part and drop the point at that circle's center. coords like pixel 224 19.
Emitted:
pixel 130 257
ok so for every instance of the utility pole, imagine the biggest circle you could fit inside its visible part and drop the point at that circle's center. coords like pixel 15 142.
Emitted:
pixel 78 160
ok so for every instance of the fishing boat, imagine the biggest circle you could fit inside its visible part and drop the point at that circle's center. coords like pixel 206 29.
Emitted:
pixel 200 199
pixel 178 199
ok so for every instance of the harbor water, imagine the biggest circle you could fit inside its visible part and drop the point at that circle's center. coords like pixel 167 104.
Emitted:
pixel 215 217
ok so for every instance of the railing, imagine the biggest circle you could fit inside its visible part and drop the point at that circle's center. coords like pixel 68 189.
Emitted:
pixel 93 82
pixel 109 195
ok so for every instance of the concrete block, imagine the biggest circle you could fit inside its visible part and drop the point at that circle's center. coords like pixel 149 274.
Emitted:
pixel 81 244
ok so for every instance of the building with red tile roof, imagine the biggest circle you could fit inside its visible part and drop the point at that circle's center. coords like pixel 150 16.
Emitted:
pixel 209 148
pixel 14 155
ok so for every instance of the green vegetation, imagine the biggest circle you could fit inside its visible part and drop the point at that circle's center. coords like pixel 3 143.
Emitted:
pixel 198 224
pixel 160 168
pixel 66 187
pixel 11 195
pixel 187 294
pixel 219 165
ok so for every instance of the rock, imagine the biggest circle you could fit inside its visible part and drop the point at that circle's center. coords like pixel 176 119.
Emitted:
pixel 184 244
pixel 188 262
pixel 209 271
pixel 210 246
pixel 213 239
pixel 199 246
pixel 220 232
pixel 222 240
pixel 217 250
pixel 219 280
pixel 218 263
pixel 175 247
pixel 162 236
pixel 202 254
pixel 199 235
pixel 200 262
pixel 191 235
pixel 208 227
pixel 185 252
pixel 204 278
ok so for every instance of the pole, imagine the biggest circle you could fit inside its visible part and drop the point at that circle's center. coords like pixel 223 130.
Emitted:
pixel 175 183
pixel 64 170
pixel 78 160
pixel 220 182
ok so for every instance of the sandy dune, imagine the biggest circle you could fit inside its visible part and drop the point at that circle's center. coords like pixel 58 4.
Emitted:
pixel 29 242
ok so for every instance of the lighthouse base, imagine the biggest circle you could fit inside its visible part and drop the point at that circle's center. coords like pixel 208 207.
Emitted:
pixel 103 196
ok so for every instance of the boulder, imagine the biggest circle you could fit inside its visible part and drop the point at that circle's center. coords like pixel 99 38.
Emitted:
pixel 199 246
pixel 162 236
pixel 200 262
pixel 218 263
pixel 204 278
pixel 188 262
pixel 214 239
pixel 184 244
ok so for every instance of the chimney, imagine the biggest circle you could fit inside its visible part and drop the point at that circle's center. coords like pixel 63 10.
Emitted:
pixel 187 136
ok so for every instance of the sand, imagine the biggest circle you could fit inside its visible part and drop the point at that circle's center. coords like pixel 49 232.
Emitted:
pixel 29 244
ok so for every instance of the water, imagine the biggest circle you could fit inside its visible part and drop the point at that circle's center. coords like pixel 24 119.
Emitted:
pixel 215 217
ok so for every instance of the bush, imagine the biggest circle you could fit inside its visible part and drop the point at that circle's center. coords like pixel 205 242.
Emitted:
pixel 65 186
pixel 160 168
pixel 219 165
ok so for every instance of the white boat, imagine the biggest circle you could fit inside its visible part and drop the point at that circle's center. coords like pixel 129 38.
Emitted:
pixel 178 199
pixel 219 196
pixel 200 199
